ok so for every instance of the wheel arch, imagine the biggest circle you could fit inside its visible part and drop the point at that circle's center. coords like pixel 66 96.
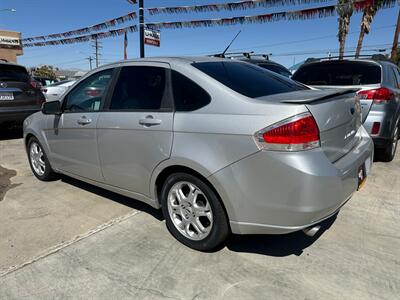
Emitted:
pixel 162 175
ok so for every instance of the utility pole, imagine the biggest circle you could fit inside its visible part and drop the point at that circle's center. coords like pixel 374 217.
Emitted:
pixel 90 62
pixel 97 46
pixel 141 27
pixel 393 56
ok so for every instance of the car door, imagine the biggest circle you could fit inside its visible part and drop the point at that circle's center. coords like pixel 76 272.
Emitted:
pixel 135 131
pixel 72 136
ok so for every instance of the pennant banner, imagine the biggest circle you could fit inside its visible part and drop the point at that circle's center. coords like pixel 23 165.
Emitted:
pixel 85 38
pixel 304 14
pixel 238 5
pixel 86 30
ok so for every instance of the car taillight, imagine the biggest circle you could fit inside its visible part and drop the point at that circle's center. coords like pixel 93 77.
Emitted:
pixel 36 85
pixel 377 95
pixel 294 134
pixel 93 93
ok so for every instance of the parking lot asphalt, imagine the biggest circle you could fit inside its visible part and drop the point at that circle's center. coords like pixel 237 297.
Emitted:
pixel 67 239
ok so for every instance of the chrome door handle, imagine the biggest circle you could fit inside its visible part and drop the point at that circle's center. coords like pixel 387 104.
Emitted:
pixel 149 121
pixel 84 121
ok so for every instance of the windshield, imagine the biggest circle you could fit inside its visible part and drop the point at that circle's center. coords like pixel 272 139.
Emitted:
pixel 248 80
pixel 13 73
pixel 339 73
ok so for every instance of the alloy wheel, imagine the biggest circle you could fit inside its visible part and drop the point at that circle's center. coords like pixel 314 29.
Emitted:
pixel 190 210
pixel 37 159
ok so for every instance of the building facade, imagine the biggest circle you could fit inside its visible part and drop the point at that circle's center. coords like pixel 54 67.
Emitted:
pixel 10 45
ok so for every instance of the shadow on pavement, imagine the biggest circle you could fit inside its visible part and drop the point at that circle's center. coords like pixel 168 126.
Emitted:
pixel 10 133
pixel 277 245
pixel 132 203
pixel 271 245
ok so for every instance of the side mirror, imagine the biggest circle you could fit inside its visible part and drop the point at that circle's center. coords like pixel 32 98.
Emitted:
pixel 51 108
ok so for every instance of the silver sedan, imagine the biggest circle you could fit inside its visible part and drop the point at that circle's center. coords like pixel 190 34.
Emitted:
pixel 220 146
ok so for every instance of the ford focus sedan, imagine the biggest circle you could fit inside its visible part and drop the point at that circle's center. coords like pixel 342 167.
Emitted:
pixel 220 146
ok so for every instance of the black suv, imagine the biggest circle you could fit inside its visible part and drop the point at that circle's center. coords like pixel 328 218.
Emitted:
pixel 20 95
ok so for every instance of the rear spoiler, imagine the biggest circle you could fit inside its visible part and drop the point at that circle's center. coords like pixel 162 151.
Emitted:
pixel 309 96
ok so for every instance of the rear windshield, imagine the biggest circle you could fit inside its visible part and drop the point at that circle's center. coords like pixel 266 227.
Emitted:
pixel 341 73
pixel 13 73
pixel 276 69
pixel 248 80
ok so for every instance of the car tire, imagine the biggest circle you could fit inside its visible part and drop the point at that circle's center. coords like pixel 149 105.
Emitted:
pixel 387 154
pixel 39 162
pixel 193 212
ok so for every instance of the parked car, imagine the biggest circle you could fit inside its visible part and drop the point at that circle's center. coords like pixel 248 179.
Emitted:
pixel 54 91
pixel 220 145
pixel 20 96
pixel 379 85
pixel 269 65
pixel 45 81
pixel 263 62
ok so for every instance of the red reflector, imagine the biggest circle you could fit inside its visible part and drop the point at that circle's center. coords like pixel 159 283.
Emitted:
pixel 375 128
pixel 304 130
pixel 378 95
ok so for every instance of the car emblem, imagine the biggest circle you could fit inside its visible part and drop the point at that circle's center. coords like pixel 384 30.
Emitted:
pixel 3 85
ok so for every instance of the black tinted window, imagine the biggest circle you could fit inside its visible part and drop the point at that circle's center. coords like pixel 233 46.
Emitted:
pixel 276 69
pixel 13 73
pixel 246 79
pixel 140 88
pixel 188 95
pixel 88 94
pixel 339 73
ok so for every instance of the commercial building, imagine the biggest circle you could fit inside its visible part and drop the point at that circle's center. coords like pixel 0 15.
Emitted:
pixel 10 45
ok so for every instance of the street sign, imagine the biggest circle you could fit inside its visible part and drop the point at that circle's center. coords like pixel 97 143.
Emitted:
pixel 152 37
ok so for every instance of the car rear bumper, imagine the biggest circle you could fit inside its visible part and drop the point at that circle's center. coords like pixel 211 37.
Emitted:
pixel 386 119
pixel 17 115
pixel 275 192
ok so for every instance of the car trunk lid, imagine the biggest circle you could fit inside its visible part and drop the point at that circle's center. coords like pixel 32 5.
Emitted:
pixel 365 104
pixel 337 113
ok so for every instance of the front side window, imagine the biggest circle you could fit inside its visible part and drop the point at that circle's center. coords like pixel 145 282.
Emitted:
pixel 188 96
pixel 140 88
pixel 246 79
pixel 87 96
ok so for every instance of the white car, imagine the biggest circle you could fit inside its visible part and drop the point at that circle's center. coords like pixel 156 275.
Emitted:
pixel 54 91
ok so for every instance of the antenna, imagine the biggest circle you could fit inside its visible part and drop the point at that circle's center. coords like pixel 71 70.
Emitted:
pixel 230 44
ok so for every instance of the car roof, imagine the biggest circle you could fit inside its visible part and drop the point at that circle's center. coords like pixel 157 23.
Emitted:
pixel 186 60
pixel 354 60
pixel 7 63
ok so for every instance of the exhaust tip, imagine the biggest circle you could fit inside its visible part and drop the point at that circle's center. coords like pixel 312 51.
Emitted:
pixel 311 231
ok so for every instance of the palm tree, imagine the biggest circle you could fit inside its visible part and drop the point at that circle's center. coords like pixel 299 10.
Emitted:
pixel 367 18
pixel 344 9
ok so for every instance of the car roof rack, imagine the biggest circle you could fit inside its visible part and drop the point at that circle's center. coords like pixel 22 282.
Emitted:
pixel 248 55
pixel 376 57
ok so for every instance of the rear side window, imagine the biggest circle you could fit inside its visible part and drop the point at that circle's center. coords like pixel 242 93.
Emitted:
pixel 340 73
pixel 188 96
pixel 13 73
pixel 248 80
pixel 140 88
